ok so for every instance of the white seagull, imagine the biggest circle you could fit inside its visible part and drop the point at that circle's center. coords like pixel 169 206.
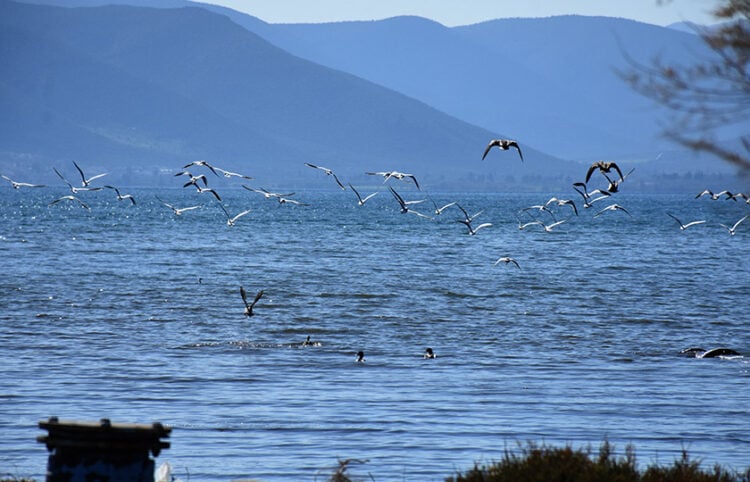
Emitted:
pixel 19 185
pixel 506 260
pixel 232 174
pixel 360 200
pixel 613 207
pixel 268 194
pixel 683 227
pixel 405 204
pixel 232 219
pixel 74 189
pixel 396 175
pixel 547 227
pixel 120 197
pixel 177 211
pixel 734 228
pixel 201 163
pixel 70 198
pixel 84 181
pixel 329 172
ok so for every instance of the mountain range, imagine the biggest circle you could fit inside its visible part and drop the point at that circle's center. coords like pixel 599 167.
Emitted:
pixel 139 89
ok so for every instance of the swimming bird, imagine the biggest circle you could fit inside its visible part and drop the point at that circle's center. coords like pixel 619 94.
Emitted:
pixel 84 181
pixel 506 260
pixel 201 163
pixel 683 227
pixel 733 229
pixel 309 342
pixel 75 189
pixel 232 219
pixel 70 198
pixel 360 200
pixel 613 207
pixel 19 185
pixel 396 175
pixel 603 167
pixel 502 144
pixel 429 354
pixel 328 172
pixel 120 197
pixel 249 306
pixel 405 204
pixel 177 211
pixel 360 357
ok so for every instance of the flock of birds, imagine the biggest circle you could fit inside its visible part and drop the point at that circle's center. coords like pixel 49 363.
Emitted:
pixel 612 174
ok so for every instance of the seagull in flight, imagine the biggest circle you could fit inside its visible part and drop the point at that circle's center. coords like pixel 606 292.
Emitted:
pixel 613 207
pixel 74 189
pixel 563 202
pixel 177 211
pixel 70 198
pixel 328 172
pixel 603 167
pixel 467 220
pixel 84 181
pixel 232 219
pixel 405 204
pixel 268 194
pixel 396 175
pixel 683 227
pixel 284 200
pixel 502 144
pixel 201 190
pixel 547 227
pixel 19 185
pixel 120 197
pixel 587 196
pixel 360 200
pixel 232 174
pixel 714 197
pixel 734 228
pixel 506 260
pixel 193 179
pixel 249 306
pixel 439 210
pixel 201 163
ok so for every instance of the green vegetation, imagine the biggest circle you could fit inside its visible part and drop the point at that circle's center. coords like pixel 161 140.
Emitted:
pixel 544 464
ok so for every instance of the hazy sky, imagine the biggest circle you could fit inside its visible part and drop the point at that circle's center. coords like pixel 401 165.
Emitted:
pixel 462 12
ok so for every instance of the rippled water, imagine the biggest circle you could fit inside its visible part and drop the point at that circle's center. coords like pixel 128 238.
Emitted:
pixel 130 313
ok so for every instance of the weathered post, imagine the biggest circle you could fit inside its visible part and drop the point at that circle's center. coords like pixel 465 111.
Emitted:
pixel 101 451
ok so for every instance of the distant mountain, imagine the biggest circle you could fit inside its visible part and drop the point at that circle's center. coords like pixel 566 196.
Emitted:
pixel 137 87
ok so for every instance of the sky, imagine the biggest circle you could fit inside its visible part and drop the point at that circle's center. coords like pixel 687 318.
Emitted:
pixel 463 12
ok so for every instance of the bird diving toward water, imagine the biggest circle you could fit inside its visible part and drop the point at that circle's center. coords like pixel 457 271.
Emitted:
pixel 502 144
pixel 733 229
pixel 506 260
pixel 120 197
pixel 328 172
pixel 249 306
pixel 84 181
pixel 360 200
pixel 19 185
pixel 683 227
pixel 603 167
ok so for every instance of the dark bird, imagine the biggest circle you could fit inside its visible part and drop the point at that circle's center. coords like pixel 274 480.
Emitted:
pixel 360 356
pixel 249 306
pixel 328 172
pixel 502 144
pixel 603 167
pixel 19 185
pixel 429 354
pixel 84 181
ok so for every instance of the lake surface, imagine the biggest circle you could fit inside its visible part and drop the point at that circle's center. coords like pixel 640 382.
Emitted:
pixel 134 314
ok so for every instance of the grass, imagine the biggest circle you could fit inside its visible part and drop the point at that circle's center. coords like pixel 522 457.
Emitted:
pixel 537 463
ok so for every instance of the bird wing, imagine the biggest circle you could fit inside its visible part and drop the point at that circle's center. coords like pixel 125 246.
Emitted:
pixel 739 222
pixel 493 142
pixel 244 296
pixel 258 296
pixel 337 181
pixel 593 167
pixel 515 144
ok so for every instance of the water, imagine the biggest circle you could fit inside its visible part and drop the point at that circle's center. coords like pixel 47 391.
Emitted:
pixel 130 313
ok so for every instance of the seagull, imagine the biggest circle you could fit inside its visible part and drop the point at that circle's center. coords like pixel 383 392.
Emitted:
pixel 468 218
pixel 19 185
pixel 120 197
pixel 741 195
pixel 328 172
pixel 360 356
pixel 231 220
pixel 429 354
pixel 614 185
pixel 547 227
pixel 193 179
pixel 70 198
pixel 74 189
pixel 267 194
pixel 177 211
pixel 472 230
pixel 540 207
pixel 603 167
pixel 249 306
pixel 85 182
pixel 232 174
pixel 439 211
pixel 405 204
pixel 395 174
pixel 734 228
pixel 503 144
pixel 587 196
pixel 613 207
pixel 563 202
pixel 201 190
pixel 201 163
pixel 683 227
pixel 506 260
pixel 283 200
pixel 360 200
